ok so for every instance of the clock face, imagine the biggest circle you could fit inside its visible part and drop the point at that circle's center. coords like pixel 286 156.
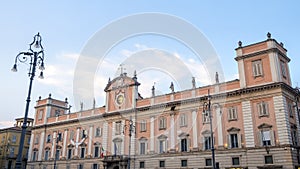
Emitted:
pixel 120 99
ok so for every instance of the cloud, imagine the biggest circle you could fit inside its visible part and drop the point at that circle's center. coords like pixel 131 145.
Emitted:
pixel 5 124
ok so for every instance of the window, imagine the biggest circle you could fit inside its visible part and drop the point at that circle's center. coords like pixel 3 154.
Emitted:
pixel 14 139
pixel 118 128
pixel 3 139
pixel 208 162
pixel 142 164
pixel 48 138
pixel 294 136
pixel 266 138
pixel 34 155
pixel 68 166
pixel 161 163
pixel 162 146
pixel 96 151
pixel 283 69
pixel 143 126
pixel 28 140
pixel 262 109
pixel 46 154
pixel 205 117
pixel 40 115
pixel 183 120
pixel 269 159
pixel 207 143
pixel 257 68
pixel 59 137
pixel 70 152
pixel 234 140
pixel 98 132
pixel 11 151
pixel 291 112
pixel 57 154
pixel 235 161
pixel 162 123
pixel 142 148
pixel 232 113
pixel 183 145
pixel 36 141
pixel 117 146
pixel 80 166
pixel 72 135
pixel 183 163
pixel 57 113
pixel 95 166
pixel 82 152
pixel 83 133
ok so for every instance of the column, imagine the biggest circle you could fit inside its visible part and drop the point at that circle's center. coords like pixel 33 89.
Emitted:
pixel 53 145
pixel 282 120
pixel 172 148
pixel 195 130
pixel 248 124
pixel 113 130
pixel 152 134
pixel 132 151
pixel 77 141
pixel 90 141
pixel 104 138
pixel 30 146
pixel 123 138
pixel 65 143
pixel 219 127
pixel 41 147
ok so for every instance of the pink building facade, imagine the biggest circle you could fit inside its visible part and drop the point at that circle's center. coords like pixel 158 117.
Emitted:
pixel 255 121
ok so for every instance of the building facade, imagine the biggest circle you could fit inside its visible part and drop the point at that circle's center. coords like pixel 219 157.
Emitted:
pixel 9 144
pixel 255 122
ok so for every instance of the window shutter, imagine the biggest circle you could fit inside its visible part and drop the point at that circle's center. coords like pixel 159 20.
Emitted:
pixel 259 138
pixel 272 135
pixel 228 141
pixel 188 144
pixel 254 69
pixel 267 108
pixel 240 140
pixel 203 143
pixel 260 68
pixel 259 109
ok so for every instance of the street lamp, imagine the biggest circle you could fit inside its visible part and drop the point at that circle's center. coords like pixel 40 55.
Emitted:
pixel 207 111
pixel 34 58
pixel 131 127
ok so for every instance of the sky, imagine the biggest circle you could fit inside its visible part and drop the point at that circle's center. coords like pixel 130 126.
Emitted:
pixel 69 27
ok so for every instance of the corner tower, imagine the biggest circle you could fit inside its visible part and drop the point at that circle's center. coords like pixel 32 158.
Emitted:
pixel 262 62
pixel 121 93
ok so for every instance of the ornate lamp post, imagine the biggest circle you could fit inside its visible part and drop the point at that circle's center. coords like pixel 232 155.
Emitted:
pixel 131 128
pixel 207 110
pixel 34 58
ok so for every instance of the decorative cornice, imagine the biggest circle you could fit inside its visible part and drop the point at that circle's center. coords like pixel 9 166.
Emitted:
pixel 263 52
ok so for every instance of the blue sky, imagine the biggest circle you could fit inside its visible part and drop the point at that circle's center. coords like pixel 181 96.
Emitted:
pixel 66 27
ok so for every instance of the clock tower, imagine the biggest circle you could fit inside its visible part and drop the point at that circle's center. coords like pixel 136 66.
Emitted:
pixel 121 93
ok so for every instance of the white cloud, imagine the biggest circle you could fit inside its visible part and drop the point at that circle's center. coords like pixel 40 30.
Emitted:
pixel 177 55
pixel 5 124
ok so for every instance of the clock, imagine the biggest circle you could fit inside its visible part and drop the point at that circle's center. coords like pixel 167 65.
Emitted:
pixel 120 99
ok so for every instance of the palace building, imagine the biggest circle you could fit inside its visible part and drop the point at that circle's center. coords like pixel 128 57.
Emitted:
pixel 254 120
